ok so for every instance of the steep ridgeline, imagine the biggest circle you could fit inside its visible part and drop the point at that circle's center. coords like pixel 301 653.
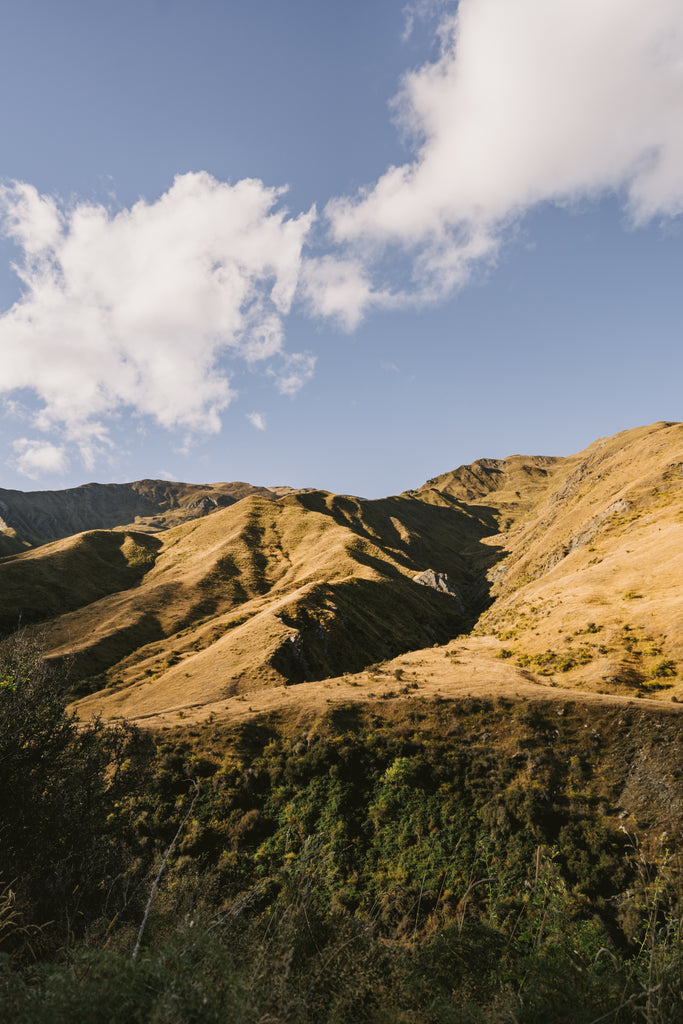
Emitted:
pixel 37 517
pixel 503 489
pixel 586 575
pixel 568 569
pixel 255 594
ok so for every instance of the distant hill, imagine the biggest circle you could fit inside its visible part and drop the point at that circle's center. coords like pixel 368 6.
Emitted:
pixel 566 570
pixel 37 517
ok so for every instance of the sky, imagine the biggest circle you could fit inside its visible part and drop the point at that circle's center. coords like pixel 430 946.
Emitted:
pixel 340 246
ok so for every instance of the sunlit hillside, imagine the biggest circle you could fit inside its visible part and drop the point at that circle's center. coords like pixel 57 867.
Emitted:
pixel 549 572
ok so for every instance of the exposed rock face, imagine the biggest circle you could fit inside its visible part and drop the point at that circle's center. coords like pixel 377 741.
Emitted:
pixel 441 582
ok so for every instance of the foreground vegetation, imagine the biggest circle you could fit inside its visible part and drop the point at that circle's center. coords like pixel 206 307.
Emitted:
pixel 409 861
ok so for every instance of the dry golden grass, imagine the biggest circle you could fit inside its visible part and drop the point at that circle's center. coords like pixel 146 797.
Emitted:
pixel 581 560
pixel 228 592
pixel 467 667
pixel 594 574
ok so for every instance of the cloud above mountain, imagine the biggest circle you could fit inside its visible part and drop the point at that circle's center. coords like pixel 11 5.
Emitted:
pixel 145 308
pixel 529 102
pixel 150 309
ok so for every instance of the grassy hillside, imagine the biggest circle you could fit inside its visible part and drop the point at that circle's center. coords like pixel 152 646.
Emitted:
pixel 390 804
pixel 45 582
pixel 590 588
pixel 569 570
pixel 268 593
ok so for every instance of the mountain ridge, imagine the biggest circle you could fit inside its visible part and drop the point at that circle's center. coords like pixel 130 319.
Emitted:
pixel 32 518
pixel 568 569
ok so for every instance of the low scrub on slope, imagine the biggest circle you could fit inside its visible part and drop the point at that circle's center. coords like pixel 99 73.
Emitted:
pixel 418 862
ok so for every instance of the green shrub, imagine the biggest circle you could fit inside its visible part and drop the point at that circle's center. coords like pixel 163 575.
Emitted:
pixel 60 781
pixel 663 669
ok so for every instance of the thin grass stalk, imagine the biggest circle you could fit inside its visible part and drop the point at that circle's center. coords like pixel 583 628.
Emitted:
pixel 160 871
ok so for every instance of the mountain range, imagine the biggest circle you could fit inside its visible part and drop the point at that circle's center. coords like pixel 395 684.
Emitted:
pixel 167 599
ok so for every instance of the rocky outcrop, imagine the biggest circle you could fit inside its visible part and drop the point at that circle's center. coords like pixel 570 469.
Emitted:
pixel 440 581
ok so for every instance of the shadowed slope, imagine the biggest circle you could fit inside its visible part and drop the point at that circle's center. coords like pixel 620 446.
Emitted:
pixel 499 490
pixel 266 592
pixel 570 569
pixel 46 582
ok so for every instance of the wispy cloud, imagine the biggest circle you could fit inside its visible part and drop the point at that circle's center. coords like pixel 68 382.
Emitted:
pixel 529 102
pixel 294 371
pixel 146 308
pixel 257 420
pixel 422 10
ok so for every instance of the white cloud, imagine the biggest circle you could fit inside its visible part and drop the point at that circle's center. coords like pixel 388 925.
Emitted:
pixel 295 371
pixel 143 308
pixel 31 220
pixel 38 458
pixel 530 102
pixel 257 420
pixel 16 410
pixel 148 309
pixel 339 289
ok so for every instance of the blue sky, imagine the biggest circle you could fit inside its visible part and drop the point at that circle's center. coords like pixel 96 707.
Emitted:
pixel 347 246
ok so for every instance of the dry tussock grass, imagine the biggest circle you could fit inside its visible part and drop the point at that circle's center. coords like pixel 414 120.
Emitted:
pixel 584 560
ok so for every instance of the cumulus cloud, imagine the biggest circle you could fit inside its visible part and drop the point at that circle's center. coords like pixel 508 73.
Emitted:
pixel 145 308
pixel 529 102
pixel 338 288
pixel 149 309
pixel 39 458
pixel 257 420
pixel 31 220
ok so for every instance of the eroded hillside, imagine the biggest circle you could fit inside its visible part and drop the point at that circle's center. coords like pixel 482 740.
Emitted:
pixel 560 572
pixel 265 593
pixel 591 586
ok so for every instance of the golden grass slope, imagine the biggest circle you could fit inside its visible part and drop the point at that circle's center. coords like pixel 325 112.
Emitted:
pixel 45 582
pixel 267 593
pixel 468 667
pixel 591 587
pixel 563 608
pixel 569 571
pixel 503 490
